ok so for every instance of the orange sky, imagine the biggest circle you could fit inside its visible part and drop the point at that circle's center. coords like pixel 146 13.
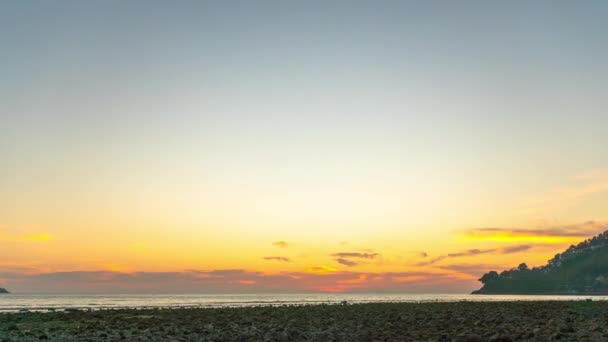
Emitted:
pixel 408 147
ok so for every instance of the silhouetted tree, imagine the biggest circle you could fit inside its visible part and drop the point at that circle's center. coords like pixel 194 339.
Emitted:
pixel 582 268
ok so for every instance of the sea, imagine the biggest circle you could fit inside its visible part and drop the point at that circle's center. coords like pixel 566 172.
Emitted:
pixel 15 302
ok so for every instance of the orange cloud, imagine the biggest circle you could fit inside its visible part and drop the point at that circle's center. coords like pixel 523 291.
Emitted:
pixel 412 278
pixel 359 280
pixel 234 281
pixel 247 282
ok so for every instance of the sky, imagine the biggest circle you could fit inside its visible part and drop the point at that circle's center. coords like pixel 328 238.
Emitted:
pixel 272 146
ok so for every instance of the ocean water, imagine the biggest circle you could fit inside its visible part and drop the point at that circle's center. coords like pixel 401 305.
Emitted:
pixel 45 302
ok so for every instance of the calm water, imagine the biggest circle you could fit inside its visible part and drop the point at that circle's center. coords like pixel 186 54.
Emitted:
pixel 43 302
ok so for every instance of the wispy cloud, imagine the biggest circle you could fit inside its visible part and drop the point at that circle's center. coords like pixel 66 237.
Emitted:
pixel 474 252
pixel 343 258
pixel 581 187
pixel 346 262
pixel 553 234
pixel 516 249
pixel 356 255
pixel 471 252
pixel 280 244
pixel 277 258
pixel 475 270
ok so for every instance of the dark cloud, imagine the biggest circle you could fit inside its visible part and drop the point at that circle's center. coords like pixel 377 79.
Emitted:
pixel 470 252
pixel 581 230
pixel 344 257
pixel 432 261
pixel 473 252
pixel 516 249
pixel 277 258
pixel 224 273
pixel 346 262
pixel 356 255
pixel 471 269
pixel 281 244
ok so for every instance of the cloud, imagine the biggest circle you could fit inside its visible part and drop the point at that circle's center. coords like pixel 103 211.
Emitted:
pixel 471 252
pixel 553 234
pixel 356 255
pixel 475 270
pixel 324 279
pixel 346 262
pixel 23 268
pixel 224 273
pixel 343 257
pixel 474 252
pixel 277 258
pixel 281 244
pixel 410 278
pixel 516 249
pixel 432 261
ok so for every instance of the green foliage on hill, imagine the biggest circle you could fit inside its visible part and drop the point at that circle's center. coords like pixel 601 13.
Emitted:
pixel 581 269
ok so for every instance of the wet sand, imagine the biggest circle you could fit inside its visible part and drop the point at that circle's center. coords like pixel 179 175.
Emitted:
pixel 460 321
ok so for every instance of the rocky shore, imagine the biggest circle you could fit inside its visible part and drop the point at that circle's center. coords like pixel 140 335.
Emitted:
pixel 459 321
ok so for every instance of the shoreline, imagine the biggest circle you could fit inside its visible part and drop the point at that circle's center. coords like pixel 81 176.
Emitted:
pixel 440 321
pixel 254 304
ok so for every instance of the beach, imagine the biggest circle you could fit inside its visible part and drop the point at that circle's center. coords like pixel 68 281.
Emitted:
pixel 457 321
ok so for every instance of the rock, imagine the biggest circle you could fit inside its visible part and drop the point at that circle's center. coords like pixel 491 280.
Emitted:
pixel 474 338
pixel 468 338
pixel 3 290
pixel 566 328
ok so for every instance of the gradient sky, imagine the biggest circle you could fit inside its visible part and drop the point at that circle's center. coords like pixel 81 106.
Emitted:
pixel 281 146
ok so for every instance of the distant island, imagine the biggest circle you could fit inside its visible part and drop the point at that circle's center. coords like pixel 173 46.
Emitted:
pixel 3 290
pixel 580 270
